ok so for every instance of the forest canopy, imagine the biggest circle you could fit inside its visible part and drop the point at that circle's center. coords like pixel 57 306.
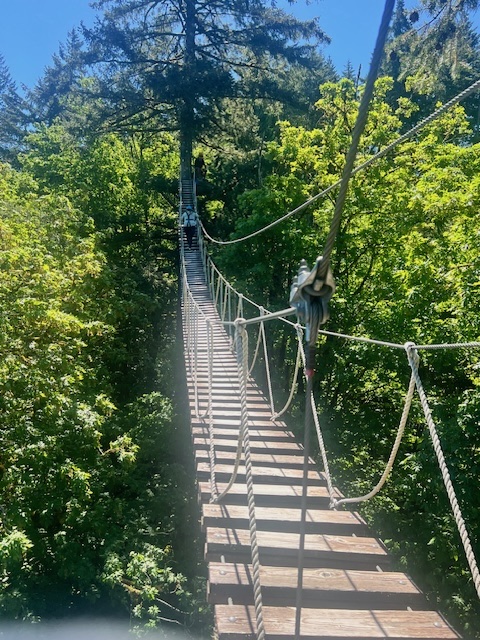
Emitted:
pixel 96 498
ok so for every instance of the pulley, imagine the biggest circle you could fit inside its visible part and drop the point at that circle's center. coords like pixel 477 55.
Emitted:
pixel 310 294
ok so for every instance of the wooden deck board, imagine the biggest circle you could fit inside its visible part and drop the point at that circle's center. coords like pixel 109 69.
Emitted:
pixel 331 588
pixel 284 520
pixel 270 495
pixel 238 623
pixel 262 475
pixel 276 548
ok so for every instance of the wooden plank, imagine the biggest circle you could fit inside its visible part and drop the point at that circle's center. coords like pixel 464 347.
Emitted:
pixel 264 475
pixel 269 495
pixel 267 438
pixel 264 459
pixel 272 434
pixel 264 446
pixel 285 520
pixel 235 423
pixel 238 623
pixel 322 588
pixel 281 549
pixel 236 413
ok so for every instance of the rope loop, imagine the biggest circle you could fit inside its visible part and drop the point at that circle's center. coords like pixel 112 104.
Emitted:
pixel 412 354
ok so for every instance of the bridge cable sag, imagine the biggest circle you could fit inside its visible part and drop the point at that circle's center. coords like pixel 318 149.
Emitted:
pixel 475 86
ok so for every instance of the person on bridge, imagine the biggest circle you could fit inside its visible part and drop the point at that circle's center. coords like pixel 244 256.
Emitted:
pixel 200 168
pixel 189 224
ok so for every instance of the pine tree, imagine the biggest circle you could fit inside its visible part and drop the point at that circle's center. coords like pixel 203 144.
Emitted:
pixel 433 52
pixel 13 116
pixel 166 64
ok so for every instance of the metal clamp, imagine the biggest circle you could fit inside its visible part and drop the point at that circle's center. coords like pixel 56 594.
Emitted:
pixel 310 294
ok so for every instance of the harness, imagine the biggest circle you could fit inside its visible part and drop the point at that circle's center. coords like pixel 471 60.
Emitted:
pixel 190 218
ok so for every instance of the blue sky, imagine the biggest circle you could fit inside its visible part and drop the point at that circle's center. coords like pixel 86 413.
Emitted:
pixel 31 30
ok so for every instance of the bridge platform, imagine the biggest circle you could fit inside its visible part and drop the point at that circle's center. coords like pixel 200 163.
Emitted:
pixel 349 587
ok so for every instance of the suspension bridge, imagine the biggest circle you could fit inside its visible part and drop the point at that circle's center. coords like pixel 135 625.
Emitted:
pixel 280 564
pixel 285 559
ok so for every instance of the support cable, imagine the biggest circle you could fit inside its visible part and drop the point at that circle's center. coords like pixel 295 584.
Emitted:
pixel 312 291
pixel 475 86
pixel 257 349
pixel 357 133
pixel 267 364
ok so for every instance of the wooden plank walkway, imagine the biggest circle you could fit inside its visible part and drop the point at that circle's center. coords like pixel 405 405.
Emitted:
pixel 349 589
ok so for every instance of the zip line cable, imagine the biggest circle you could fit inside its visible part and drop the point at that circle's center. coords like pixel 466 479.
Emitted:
pixel 418 127
pixel 357 134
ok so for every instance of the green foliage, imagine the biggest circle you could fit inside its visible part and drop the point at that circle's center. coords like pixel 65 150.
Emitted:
pixel 406 266
pixel 90 489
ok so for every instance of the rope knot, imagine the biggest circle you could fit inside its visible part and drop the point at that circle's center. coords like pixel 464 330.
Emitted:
pixel 333 504
pixel 412 354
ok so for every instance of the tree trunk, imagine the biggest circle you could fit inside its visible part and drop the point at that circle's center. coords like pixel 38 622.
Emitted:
pixel 187 108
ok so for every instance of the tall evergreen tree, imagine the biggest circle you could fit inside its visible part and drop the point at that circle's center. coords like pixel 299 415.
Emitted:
pixel 435 50
pixel 13 116
pixel 166 64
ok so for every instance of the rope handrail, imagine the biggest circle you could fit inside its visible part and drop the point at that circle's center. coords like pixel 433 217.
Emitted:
pixel 364 165
pixel 462 529
pixel 221 277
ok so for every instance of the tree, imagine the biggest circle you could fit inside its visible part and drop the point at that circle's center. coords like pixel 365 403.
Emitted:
pixel 13 116
pixel 433 51
pixel 164 65
pixel 90 490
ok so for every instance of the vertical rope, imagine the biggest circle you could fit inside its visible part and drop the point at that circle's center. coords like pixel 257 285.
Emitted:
pixel 413 359
pixel 295 374
pixel 257 349
pixel 212 281
pixel 240 306
pixel 267 364
pixel 220 302
pixel 242 359
pixel 230 319
pixel 225 300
